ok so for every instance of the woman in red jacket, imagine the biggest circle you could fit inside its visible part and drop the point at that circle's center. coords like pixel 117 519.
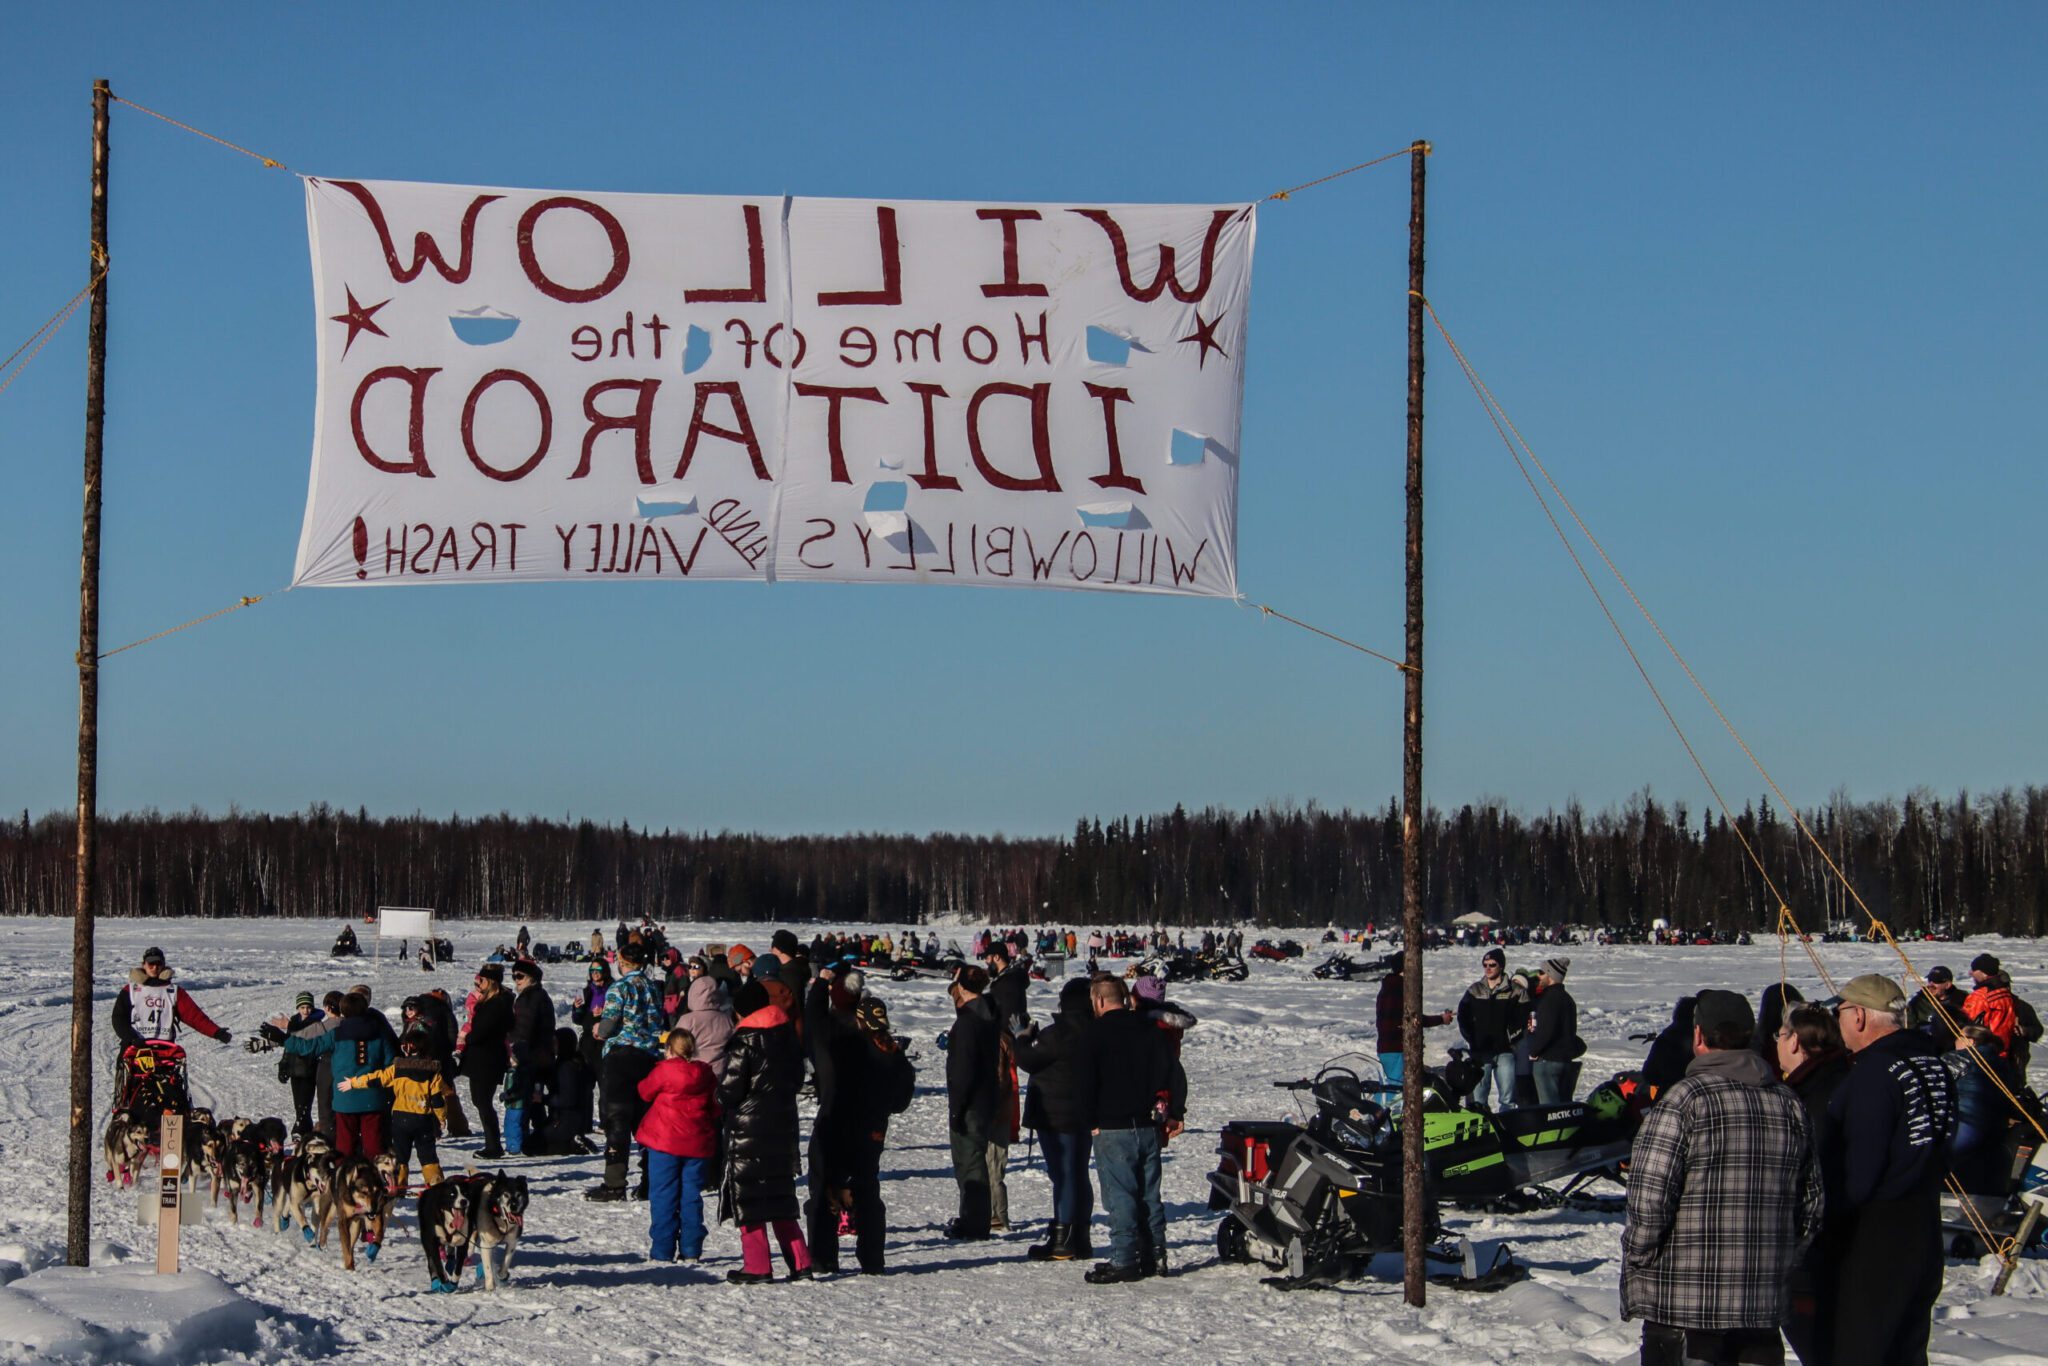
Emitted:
pixel 679 1134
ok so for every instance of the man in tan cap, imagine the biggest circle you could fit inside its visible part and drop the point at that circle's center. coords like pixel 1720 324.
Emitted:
pixel 1882 1160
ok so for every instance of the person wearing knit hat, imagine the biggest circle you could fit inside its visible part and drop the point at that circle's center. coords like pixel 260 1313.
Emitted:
pixel 303 1001
pixel 1554 1043
pixel 1982 966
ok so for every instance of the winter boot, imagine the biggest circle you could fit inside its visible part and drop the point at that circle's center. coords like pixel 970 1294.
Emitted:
pixel 614 1187
pixel 1055 1238
pixel 430 1175
pixel 404 1175
pixel 1109 1273
pixel 1072 1245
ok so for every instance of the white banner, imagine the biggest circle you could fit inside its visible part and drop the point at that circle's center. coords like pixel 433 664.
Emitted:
pixel 527 385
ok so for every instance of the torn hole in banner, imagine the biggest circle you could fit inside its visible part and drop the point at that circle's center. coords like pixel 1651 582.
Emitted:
pixel 908 539
pixel 1121 516
pixel 665 501
pixel 1187 448
pixel 696 349
pixel 1112 346
pixel 483 325
pixel 886 495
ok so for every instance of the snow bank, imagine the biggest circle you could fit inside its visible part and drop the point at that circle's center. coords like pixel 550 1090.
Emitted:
pixel 126 1314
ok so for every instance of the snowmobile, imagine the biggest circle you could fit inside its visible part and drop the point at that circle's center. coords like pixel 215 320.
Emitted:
pixel 1276 953
pixel 345 945
pixel 1342 967
pixel 1317 1199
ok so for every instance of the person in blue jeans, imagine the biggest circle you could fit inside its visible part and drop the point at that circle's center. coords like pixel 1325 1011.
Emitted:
pixel 1554 1042
pixel 1136 1094
pixel 679 1133
pixel 1492 1015
pixel 1054 1107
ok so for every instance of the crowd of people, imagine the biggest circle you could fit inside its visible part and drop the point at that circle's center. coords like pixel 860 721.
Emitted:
pixel 1785 1180
pixel 688 1070
pixel 1785 1184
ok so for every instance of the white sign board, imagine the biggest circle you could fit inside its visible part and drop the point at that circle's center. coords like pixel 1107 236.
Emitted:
pixel 404 922
pixel 520 385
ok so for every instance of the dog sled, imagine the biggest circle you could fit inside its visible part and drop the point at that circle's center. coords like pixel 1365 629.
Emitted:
pixel 149 1081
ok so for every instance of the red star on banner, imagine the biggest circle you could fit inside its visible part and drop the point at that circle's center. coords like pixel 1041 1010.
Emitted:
pixel 358 319
pixel 1204 336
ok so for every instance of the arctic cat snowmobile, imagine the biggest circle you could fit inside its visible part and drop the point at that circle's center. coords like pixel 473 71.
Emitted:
pixel 1317 1199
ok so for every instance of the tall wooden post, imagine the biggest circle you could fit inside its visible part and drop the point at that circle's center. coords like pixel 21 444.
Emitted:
pixel 1414 1189
pixel 78 1230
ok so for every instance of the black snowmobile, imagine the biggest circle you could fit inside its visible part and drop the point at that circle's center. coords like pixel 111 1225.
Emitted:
pixel 345 945
pixel 1342 967
pixel 1317 1199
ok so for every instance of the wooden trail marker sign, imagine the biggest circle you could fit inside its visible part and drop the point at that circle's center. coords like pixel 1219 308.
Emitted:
pixel 172 1137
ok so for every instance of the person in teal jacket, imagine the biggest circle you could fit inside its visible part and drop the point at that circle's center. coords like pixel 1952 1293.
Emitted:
pixel 358 1044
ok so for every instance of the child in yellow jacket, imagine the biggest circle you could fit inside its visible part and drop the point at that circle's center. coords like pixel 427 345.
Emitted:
pixel 418 1095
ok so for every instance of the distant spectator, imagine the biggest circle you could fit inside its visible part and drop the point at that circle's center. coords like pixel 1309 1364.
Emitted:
pixel 1492 1014
pixel 1137 1096
pixel 631 1028
pixel 679 1134
pixel 763 1070
pixel 1991 1004
pixel 486 1053
pixel 1671 1051
pixel 973 1096
pixel 1554 1043
pixel 1057 1111
pixel 1940 988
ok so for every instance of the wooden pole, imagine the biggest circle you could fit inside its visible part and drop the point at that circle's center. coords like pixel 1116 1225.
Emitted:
pixel 78 1228
pixel 1414 1188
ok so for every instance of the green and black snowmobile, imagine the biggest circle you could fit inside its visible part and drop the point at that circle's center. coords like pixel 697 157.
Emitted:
pixel 1317 1199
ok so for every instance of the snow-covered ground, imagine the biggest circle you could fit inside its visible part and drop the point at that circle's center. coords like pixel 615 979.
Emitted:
pixel 583 1291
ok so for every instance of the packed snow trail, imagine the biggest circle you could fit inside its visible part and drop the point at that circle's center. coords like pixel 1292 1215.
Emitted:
pixel 582 1289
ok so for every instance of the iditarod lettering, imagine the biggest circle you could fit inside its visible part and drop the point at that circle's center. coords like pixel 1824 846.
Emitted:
pixel 721 419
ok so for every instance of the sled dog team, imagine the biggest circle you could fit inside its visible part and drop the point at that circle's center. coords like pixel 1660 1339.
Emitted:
pixel 247 1161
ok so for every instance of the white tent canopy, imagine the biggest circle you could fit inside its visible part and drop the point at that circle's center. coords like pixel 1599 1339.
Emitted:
pixel 1474 919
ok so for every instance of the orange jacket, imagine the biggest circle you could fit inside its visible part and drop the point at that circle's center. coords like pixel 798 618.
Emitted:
pixel 1992 1008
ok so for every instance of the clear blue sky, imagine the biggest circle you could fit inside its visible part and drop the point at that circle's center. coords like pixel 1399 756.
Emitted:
pixel 1765 285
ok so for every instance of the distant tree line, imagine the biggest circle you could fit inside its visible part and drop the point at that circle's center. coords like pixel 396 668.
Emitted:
pixel 1972 864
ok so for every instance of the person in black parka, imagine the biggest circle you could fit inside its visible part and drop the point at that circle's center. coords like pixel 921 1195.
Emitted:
pixel 861 1083
pixel 1671 1052
pixel 1054 1107
pixel 763 1070
pixel 973 1090
pixel 487 1052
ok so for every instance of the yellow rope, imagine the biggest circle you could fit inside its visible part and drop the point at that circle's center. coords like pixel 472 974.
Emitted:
pixel 271 162
pixel 196 621
pixel 1317 630
pixel 1334 175
pixel 9 371
pixel 1878 928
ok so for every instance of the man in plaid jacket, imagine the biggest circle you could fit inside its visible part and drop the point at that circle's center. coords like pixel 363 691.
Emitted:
pixel 1724 1192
